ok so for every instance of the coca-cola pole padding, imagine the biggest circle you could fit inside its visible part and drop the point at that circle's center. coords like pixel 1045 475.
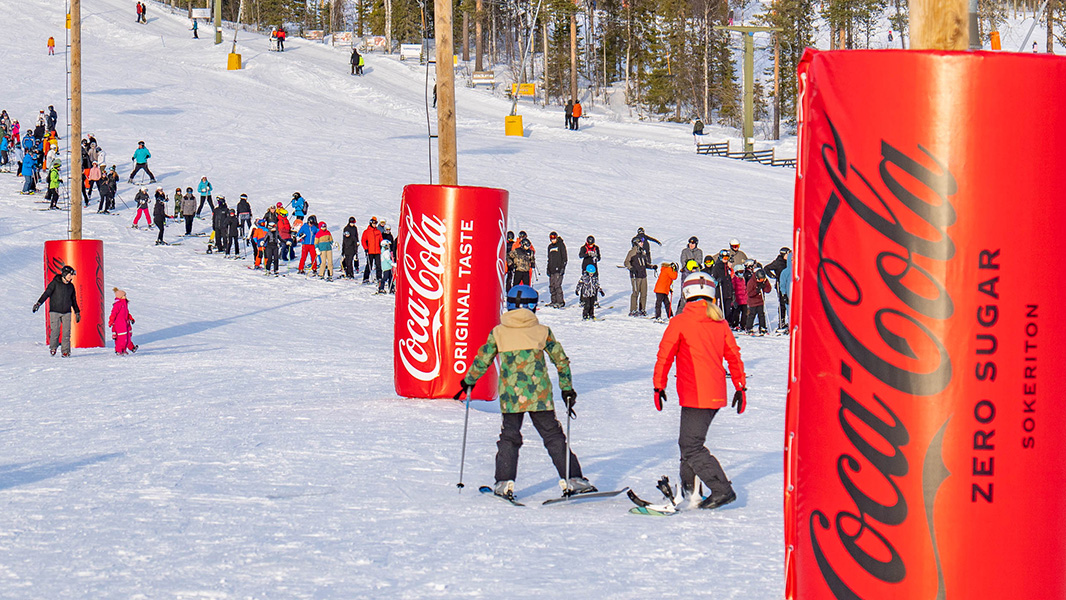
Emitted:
pixel 449 286
pixel 926 431
pixel 87 258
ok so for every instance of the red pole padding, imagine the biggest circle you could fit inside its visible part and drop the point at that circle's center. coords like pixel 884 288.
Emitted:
pixel 449 286
pixel 925 422
pixel 87 258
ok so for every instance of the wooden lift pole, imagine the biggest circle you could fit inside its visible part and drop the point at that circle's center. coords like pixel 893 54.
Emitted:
pixel 748 34
pixel 446 148
pixel 75 120
pixel 939 24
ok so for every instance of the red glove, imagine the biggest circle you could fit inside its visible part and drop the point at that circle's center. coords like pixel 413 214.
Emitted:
pixel 660 397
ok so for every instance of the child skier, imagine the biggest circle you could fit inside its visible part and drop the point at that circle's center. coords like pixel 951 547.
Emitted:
pixel 324 245
pixel 740 298
pixel 142 207
pixel 699 340
pixel 121 324
pixel 385 285
pixel 587 288
pixel 306 236
pixel 756 287
pixel 524 387
pixel 663 285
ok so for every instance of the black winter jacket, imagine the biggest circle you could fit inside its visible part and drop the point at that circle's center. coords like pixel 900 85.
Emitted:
pixel 776 266
pixel 232 226
pixel 160 211
pixel 63 296
pixel 556 256
pixel 590 255
pixel 243 208
pixel 350 242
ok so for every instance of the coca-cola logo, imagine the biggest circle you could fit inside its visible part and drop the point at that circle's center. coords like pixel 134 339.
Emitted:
pixel 422 252
pixel 501 250
pixel 881 314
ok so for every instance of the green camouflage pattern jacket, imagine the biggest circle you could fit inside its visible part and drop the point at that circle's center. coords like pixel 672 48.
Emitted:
pixel 521 342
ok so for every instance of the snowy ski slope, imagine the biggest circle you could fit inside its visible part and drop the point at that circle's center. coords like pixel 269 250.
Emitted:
pixel 253 447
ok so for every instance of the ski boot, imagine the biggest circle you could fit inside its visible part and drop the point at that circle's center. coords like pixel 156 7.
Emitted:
pixel 576 485
pixel 718 499
pixel 504 489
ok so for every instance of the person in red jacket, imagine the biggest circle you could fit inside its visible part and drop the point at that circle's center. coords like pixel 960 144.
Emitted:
pixel 371 242
pixel 755 288
pixel 698 338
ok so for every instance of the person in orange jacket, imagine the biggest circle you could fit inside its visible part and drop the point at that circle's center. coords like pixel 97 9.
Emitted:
pixel 699 339
pixel 577 115
pixel 51 46
pixel 371 242
pixel 667 275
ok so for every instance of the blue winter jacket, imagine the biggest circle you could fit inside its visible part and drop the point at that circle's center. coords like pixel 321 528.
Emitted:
pixel 141 155
pixel 307 234
pixel 4 144
pixel 28 166
pixel 784 282
pixel 299 206
pixel 205 188
pixel 27 142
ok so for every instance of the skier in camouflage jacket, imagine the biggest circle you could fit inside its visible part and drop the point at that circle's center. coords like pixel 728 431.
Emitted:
pixel 521 342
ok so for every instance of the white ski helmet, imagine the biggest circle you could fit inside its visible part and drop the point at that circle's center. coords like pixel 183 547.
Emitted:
pixel 734 242
pixel 698 285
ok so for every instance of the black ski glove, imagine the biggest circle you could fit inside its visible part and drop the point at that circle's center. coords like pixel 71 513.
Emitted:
pixel 570 399
pixel 740 400
pixel 464 389
pixel 602 294
pixel 660 398
pixel 36 306
pixel 77 317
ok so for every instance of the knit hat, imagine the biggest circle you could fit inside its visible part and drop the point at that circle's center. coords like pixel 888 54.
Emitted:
pixel 119 293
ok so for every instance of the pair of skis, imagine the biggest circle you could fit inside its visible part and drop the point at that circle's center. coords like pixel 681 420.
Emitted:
pixel 565 498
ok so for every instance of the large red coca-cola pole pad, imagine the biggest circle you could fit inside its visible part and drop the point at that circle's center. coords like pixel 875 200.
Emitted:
pixel 87 258
pixel 450 263
pixel 925 426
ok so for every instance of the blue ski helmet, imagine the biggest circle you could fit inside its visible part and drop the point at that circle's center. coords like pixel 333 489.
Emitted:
pixel 522 296
pixel 591 268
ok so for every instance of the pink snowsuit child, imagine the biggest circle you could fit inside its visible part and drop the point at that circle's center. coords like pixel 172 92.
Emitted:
pixel 740 297
pixel 121 324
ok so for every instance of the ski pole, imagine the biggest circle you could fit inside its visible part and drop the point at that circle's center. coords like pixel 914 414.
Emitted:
pixel 566 492
pixel 462 456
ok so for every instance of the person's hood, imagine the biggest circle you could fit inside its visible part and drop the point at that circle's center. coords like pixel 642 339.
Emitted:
pixel 519 317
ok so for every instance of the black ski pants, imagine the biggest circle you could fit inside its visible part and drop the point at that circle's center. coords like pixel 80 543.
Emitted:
pixel 755 312
pixel 372 260
pixel 271 254
pixel 740 315
pixel 210 202
pixel 188 224
pixel 52 195
pixel 588 308
pixel 662 301
pixel 696 459
pixel 520 278
pixel 350 265
pixel 551 432
pixel 138 168
pixel 555 285
pixel 234 242
pixel 161 224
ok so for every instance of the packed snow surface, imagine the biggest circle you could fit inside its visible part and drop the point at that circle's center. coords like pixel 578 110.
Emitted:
pixel 254 447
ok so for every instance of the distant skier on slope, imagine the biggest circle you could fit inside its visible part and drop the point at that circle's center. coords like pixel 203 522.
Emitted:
pixel 699 339
pixel 524 387
pixel 63 299
pixel 140 159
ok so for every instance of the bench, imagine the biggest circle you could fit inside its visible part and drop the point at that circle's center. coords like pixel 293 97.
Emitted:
pixel 483 78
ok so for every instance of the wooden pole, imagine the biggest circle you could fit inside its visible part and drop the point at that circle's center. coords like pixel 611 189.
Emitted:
pixel 479 36
pixel 446 148
pixel 573 55
pixel 939 24
pixel 75 120
pixel 777 86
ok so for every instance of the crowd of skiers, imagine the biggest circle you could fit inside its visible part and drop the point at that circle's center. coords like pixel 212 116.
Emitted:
pixel 741 282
